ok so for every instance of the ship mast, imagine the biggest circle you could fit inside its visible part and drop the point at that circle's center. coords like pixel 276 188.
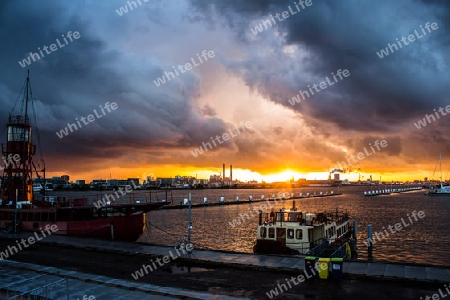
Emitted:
pixel 17 183
pixel 440 161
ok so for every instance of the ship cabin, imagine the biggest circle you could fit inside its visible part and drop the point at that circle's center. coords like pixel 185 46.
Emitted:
pixel 301 231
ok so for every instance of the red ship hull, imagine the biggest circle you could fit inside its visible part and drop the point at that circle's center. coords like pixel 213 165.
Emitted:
pixel 126 228
pixel 122 222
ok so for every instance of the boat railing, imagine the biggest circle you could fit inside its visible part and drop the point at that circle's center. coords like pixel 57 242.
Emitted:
pixel 340 252
pixel 319 249
pixel 302 247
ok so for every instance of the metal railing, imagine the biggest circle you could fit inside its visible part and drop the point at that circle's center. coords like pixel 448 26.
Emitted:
pixel 319 249
pixel 340 252
pixel 43 292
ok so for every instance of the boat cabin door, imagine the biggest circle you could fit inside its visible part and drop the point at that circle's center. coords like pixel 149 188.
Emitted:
pixel 281 236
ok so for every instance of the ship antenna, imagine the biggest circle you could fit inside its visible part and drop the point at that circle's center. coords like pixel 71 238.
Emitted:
pixel 37 131
pixel 26 101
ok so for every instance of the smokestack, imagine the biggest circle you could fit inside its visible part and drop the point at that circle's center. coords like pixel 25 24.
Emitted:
pixel 223 169
pixel 231 172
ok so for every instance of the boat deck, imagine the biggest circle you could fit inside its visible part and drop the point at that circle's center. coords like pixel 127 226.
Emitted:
pixel 357 269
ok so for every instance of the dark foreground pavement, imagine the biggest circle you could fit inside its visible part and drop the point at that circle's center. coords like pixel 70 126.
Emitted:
pixel 235 282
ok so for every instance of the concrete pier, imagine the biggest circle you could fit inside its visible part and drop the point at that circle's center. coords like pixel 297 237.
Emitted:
pixel 357 269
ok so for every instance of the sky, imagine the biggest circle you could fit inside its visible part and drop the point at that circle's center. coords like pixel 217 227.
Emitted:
pixel 313 84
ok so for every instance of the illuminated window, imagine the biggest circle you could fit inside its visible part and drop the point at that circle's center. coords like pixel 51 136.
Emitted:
pixel 290 233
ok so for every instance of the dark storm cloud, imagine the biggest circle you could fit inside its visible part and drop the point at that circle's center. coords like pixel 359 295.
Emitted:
pixel 381 95
pixel 347 35
pixel 85 74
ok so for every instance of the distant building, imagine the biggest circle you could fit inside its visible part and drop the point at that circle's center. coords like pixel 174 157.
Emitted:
pixel 65 178
pixel 99 182
pixel 80 182
pixel 215 178
pixel 56 180
pixel 164 182
pixel 135 180
pixel 117 183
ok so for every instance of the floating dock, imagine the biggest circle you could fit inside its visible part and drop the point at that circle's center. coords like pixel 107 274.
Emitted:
pixel 238 201
pixel 391 191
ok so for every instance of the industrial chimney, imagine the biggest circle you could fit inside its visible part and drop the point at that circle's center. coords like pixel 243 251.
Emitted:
pixel 231 172
pixel 223 173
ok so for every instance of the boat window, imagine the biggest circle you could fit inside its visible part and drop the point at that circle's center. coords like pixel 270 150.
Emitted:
pixel 299 234
pixel 262 232
pixel 290 233
pixel 271 233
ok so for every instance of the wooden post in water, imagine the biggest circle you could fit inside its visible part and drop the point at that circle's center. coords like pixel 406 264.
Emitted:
pixel 112 231
pixel 369 240
pixel 189 225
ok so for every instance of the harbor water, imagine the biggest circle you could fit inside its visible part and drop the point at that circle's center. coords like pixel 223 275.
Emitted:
pixel 423 240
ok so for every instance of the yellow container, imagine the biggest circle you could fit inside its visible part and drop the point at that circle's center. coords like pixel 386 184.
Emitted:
pixel 324 267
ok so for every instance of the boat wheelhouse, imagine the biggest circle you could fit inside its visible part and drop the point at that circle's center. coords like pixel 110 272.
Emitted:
pixel 297 232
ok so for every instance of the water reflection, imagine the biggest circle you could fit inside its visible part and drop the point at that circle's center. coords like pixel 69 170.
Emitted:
pixel 227 228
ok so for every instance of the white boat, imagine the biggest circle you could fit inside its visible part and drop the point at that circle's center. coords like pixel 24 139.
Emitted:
pixel 37 187
pixel 442 190
pixel 297 232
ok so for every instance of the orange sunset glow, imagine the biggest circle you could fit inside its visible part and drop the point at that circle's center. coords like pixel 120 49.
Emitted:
pixel 275 106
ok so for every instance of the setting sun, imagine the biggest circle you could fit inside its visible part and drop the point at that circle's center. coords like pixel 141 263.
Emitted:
pixel 283 176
